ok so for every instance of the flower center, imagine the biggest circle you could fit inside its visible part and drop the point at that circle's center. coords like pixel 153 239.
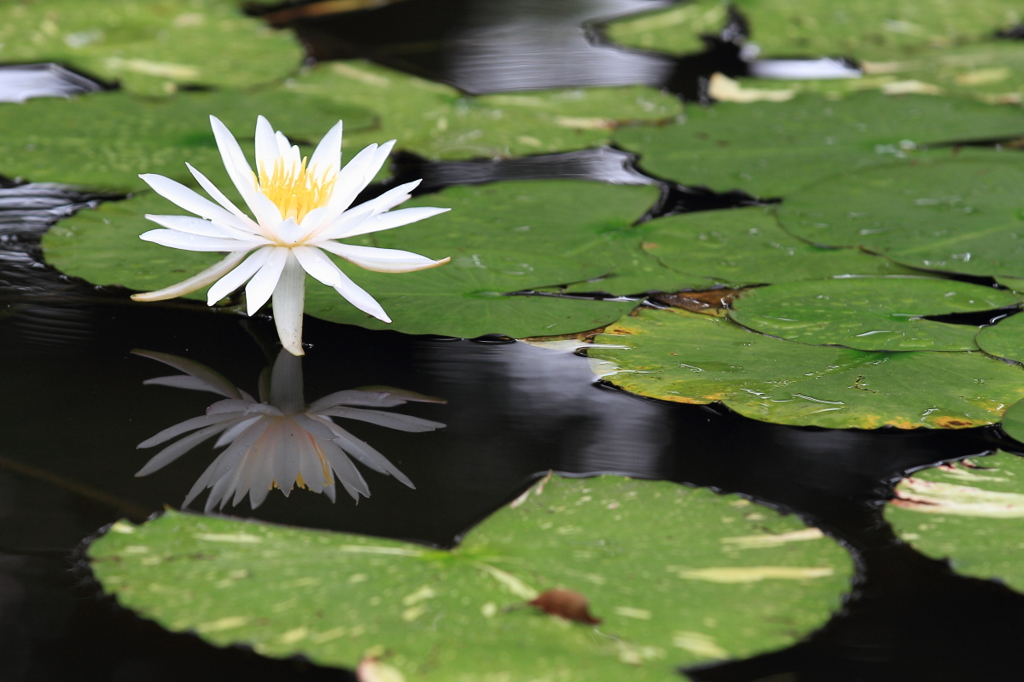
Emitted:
pixel 295 189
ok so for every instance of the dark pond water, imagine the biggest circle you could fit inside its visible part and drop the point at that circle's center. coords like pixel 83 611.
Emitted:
pixel 75 407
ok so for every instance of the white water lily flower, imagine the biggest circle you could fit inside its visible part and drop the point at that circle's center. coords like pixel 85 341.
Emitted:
pixel 278 441
pixel 300 208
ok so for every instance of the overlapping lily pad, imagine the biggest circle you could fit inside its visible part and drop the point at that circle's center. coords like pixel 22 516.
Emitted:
pixel 734 248
pixel 973 515
pixel 690 358
pixel 771 149
pixel 150 46
pixel 674 576
pixel 869 313
pixel 1005 339
pixel 502 238
pixel 438 121
pixel 960 215
pixel 105 140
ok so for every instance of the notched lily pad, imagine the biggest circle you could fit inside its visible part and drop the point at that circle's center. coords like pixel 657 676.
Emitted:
pixel 690 358
pixel 869 313
pixel 971 513
pixel 698 593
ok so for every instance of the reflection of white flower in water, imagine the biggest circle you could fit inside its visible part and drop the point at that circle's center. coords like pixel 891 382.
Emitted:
pixel 300 210
pixel 279 440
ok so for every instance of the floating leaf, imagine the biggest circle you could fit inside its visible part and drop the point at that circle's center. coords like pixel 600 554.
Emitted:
pixel 502 238
pixel 1013 421
pixel 442 615
pixel 959 215
pixel 734 248
pixel 1005 339
pixel 691 358
pixel 771 149
pixel 106 139
pixel 150 46
pixel 438 121
pixel 871 29
pixel 973 515
pixel 869 313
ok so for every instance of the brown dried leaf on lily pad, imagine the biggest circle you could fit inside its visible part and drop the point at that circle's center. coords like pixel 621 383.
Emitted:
pixel 566 604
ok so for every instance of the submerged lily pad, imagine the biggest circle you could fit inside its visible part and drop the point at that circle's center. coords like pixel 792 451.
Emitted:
pixel 690 358
pixel 961 215
pixel 973 515
pixel 150 46
pixel 869 313
pixel 1005 339
pixel 438 121
pixel 674 575
pixel 105 140
pixel 502 238
pixel 771 149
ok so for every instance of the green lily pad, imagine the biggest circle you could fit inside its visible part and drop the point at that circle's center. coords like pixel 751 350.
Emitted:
pixel 869 313
pixel 973 515
pixel 962 215
pixel 734 248
pixel 150 46
pixel 1013 421
pixel 1005 339
pixel 772 149
pixel 866 29
pixel 439 122
pixel 718 578
pixel 502 238
pixel 105 140
pixel 690 358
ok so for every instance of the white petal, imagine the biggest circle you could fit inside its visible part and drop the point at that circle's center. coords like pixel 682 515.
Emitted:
pixel 367 455
pixel 358 297
pixel 242 176
pixel 221 199
pixel 284 147
pixel 333 222
pixel 288 231
pixel 289 300
pixel 196 282
pixel 261 286
pixel 326 158
pixel 187 199
pixel 179 448
pixel 267 149
pixel 382 260
pixel 391 219
pixel 212 381
pixel 356 397
pixel 233 432
pixel 318 265
pixel 198 226
pixel 351 179
pixel 286 392
pixel 184 427
pixel 393 197
pixel 351 479
pixel 391 420
pixel 192 242
pixel 239 276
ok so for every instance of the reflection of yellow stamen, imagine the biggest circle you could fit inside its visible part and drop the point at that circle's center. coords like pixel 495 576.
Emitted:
pixel 295 189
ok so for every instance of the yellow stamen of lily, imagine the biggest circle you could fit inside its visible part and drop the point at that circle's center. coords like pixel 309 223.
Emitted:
pixel 295 190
